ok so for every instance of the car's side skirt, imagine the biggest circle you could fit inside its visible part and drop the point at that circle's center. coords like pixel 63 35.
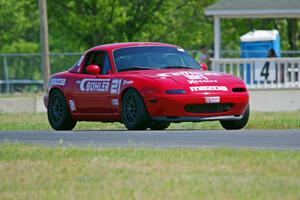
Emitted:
pixel 196 119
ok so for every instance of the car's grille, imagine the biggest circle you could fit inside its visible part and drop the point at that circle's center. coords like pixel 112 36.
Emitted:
pixel 208 108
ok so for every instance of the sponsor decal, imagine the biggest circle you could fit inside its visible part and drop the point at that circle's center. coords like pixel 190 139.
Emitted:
pixel 201 81
pixel 127 82
pixel 208 88
pixel 112 86
pixel 196 77
pixel 78 81
pixel 57 81
pixel 189 73
pixel 95 85
pixel 212 99
pixel 114 102
pixel 72 105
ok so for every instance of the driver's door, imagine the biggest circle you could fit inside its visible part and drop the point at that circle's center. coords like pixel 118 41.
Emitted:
pixel 91 92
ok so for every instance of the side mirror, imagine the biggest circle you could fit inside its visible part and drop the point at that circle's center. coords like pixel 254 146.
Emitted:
pixel 203 66
pixel 93 69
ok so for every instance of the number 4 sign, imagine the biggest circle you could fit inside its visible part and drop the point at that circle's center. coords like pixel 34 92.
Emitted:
pixel 264 71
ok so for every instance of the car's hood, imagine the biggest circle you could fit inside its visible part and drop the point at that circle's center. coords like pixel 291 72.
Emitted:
pixel 186 76
pixel 192 80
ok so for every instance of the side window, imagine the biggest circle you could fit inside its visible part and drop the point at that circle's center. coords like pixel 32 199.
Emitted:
pixel 88 61
pixel 76 67
pixel 106 67
pixel 99 58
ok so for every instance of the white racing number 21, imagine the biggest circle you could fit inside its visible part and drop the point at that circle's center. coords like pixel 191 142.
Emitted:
pixel 115 86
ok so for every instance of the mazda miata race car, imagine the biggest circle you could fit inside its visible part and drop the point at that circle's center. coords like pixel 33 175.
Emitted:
pixel 144 85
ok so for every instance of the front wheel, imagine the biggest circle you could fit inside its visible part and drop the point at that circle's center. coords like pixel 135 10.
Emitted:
pixel 58 112
pixel 134 112
pixel 237 124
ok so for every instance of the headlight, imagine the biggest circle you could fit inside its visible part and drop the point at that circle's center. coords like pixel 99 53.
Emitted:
pixel 175 92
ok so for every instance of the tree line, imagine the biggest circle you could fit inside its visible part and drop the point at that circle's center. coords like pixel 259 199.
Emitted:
pixel 77 25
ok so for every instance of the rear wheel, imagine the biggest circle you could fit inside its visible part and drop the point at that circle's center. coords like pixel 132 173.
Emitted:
pixel 134 112
pixel 237 124
pixel 154 125
pixel 58 112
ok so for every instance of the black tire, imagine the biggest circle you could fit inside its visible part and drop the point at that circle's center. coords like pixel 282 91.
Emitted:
pixel 134 112
pixel 154 125
pixel 237 124
pixel 58 112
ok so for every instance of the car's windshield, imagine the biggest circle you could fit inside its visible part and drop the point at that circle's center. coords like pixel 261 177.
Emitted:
pixel 152 57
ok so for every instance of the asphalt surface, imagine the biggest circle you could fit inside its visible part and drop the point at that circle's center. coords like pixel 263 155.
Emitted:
pixel 261 139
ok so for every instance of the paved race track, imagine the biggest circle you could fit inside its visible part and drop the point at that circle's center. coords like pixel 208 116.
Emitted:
pixel 266 139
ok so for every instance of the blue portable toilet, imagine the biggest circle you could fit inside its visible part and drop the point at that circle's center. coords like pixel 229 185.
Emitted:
pixel 256 44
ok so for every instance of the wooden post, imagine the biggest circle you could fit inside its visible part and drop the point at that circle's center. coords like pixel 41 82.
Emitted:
pixel 217 37
pixel 44 42
pixel 6 74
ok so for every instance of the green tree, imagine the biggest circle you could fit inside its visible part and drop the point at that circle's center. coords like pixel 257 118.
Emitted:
pixel 75 25
pixel 86 23
pixel 19 26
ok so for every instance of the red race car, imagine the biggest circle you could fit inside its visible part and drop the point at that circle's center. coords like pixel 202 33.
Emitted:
pixel 144 85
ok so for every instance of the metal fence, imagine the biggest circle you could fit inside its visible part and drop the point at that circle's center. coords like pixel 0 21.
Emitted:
pixel 22 72
pixel 262 73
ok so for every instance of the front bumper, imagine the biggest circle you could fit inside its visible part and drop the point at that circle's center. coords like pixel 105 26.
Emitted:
pixel 172 107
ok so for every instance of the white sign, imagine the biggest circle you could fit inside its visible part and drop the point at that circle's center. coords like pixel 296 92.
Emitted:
pixel 264 71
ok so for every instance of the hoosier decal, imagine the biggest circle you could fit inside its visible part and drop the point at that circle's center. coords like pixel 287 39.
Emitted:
pixel 193 77
pixel 196 77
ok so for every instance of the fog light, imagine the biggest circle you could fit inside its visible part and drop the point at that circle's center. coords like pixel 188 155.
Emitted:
pixel 227 107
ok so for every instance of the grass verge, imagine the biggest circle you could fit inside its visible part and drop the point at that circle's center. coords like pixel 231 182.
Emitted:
pixel 31 172
pixel 258 120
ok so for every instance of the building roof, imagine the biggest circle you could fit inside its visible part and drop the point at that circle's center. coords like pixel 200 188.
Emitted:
pixel 255 9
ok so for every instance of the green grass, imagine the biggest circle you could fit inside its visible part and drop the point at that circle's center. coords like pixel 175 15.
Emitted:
pixel 258 120
pixel 31 172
